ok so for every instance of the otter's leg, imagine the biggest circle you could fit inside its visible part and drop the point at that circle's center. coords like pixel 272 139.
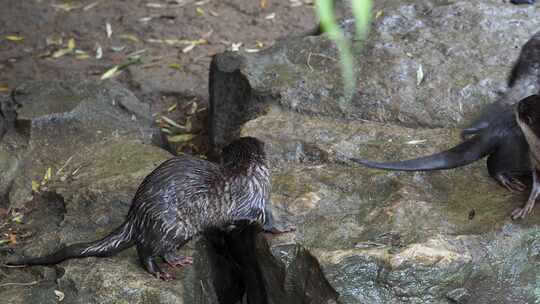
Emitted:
pixel 529 205
pixel 270 225
pixel 148 261
pixel 175 260
pixel 509 163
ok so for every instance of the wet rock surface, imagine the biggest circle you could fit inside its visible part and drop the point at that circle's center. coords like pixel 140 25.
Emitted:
pixel 425 64
pixel 380 236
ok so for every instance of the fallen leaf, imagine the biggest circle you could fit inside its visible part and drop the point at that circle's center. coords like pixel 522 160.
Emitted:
pixel 90 6
pixel 259 44
pixel 193 109
pixel 263 4
pixel 4 88
pixel 17 217
pixel 47 176
pixel 60 53
pixel 416 141
pixel 60 295
pixel 54 40
pixel 378 14
pixel 129 37
pixel 181 138
pixel 200 11
pixel 188 48
pixel 71 44
pixel 35 186
pixel 145 19
pixel 155 5
pixel 66 7
pixel 419 75
pixel 12 239
pixel 99 52
pixel 172 108
pixel 172 122
pixel 82 56
pixel 270 16
pixel 117 49
pixel 175 66
pixel 108 29
pixel 236 46
pixel 14 38
pixel 110 73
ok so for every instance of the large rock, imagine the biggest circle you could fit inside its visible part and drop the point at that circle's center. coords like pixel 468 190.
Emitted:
pixel 61 119
pixel 379 236
pixel 425 64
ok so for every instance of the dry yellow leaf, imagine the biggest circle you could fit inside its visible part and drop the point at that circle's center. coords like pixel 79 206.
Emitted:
pixel 66 7
pixel 181 138
pixel 171 122
pixel 263 4
pixel 172 108
pixel 200 11
pixel 175 66
pixel 82 56
pixel 129 37
pixel 110 73
pixel 48 176
pixel 35 186
pixel 14 38
pixel 60 53
pixel 188 48
pixel 71 44
pixel 4 88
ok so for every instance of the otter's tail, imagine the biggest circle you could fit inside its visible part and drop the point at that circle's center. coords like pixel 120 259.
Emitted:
pixel 460 155
pixel 118 240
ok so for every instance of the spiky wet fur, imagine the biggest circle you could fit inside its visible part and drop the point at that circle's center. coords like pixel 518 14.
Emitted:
pixel 181 198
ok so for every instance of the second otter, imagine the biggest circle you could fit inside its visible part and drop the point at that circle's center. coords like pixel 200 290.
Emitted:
pixel 181 198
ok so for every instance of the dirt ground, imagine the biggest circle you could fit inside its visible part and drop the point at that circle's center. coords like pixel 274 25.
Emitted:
pixel 161 49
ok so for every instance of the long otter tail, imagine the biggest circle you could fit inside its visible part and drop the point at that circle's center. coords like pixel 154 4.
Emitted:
pixel 460 155
pixel 118 240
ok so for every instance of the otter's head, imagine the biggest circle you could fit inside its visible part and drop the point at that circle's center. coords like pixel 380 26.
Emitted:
pixel 243 151
pixel 528 114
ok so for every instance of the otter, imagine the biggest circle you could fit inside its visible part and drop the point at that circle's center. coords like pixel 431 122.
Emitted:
pixel 528 118
pixel 180 199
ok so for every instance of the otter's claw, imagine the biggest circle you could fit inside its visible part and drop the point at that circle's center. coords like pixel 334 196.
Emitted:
pixel 177 260
pixel 511 183
pixel 523 212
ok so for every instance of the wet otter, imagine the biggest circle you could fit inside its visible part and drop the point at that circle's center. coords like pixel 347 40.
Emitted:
pixel 181 198
pixel 528 119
